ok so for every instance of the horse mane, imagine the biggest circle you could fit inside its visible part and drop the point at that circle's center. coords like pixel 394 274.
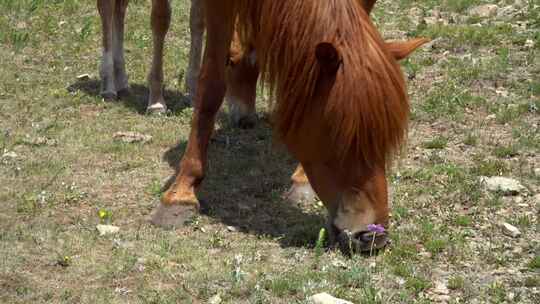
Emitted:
pixel 367 109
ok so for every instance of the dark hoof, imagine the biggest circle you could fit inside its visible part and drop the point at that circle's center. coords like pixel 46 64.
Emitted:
pixel 109 96
pixel 361 242
pixel 123 93
pixel 300 193
pixel 173 216
pixel 247 122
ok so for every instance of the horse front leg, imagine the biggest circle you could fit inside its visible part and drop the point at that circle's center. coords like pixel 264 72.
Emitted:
pixel 160 21
pixel 120 75
pixel 179 202
pixel 106 70
pixel 196 28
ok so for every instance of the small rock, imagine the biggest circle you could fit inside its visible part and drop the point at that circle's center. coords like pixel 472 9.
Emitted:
pixel 484 11
pixel 215 299
pixel 107 229
pixel 536 172
pixel 536 199
pixel 339 264
pixel 518 200
pixel 491 117
pixel 132 137
pixel 231 228
pixel 324 298
pixel 510 230
pixel 440 288
pixel 83 77
pixel 505 185
pixel 40 141
pixel 11 155
pixel 529 43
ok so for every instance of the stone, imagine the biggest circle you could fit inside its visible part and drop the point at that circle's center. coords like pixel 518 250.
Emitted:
pixel 107 229
pixel 83 77
pixel 484 11
pixel 11 155
pixel 215 299
pixel 536 199
pixel 440 288
pixel 536 172
pixel 132 137
pixel 324 298
pixel 505 185
pixel 511 230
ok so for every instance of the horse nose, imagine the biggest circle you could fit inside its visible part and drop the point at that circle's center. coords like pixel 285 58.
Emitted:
pixel 361 242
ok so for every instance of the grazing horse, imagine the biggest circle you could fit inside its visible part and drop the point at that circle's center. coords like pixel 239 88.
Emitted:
pixel 341 106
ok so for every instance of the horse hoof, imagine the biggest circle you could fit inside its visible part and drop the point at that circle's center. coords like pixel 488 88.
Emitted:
pixel 300 192
pixel 173 216
pixel 156 109
pixel 123 93
pixel 246 122
pixel 109 96
pixel 361 242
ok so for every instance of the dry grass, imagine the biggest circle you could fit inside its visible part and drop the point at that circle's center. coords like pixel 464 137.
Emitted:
pixel 476 109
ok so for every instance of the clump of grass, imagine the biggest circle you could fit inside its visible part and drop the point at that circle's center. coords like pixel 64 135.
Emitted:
pixel 456 283
pixel 505 151
pixel 470 139
pixel 489 168
pixel 439 142
pixel 463 220
pixel 417 284
pixel 534 263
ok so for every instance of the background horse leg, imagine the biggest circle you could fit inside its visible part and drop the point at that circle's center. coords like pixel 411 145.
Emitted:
pixel 120 76
pixel 242 74
pixel 160 20
pixel 196 27
pixel 106 70
pixel 179 203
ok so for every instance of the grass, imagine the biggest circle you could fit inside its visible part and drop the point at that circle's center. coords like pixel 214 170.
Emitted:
pixel 474 100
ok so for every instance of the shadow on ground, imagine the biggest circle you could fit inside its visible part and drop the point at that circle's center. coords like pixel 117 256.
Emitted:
pixel 137 98
pixel 246 179
pixel 244 185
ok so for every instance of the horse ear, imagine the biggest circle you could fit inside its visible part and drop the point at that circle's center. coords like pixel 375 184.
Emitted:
pixel 328 57
pixel 402 49
pixel 368 5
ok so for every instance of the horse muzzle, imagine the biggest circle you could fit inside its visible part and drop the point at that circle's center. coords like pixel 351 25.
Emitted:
pixel 361 242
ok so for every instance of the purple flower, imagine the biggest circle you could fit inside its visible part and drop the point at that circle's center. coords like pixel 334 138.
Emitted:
pixel 375 228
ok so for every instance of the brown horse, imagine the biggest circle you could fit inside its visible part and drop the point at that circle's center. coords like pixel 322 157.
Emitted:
pixel 242 72
pixel 341 109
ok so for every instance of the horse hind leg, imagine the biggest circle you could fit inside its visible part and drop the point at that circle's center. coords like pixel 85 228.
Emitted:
pixel 160 21
pixel 196 27
pixel 106 11
pixel 179 203
pixel 242 74
pixel 301 190
pixel 120 75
